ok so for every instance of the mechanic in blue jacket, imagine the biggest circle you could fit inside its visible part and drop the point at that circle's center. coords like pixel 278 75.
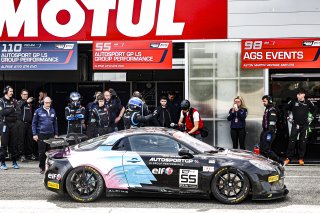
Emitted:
pixel 44 126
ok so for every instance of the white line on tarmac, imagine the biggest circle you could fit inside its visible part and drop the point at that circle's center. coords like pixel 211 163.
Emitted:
pixel 40 206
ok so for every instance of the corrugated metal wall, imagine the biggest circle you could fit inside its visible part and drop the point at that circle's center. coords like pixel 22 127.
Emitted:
pixel 273 18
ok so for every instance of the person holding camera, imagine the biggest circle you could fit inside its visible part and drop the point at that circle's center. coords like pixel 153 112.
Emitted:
pixel 26 146
pixel 237 115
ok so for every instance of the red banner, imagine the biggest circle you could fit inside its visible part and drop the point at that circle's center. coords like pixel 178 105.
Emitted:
pixel 119 55
pixel 280 53
pixel 77 20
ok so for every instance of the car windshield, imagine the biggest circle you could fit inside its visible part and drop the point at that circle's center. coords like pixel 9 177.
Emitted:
pixel 92 143
pixel 199 145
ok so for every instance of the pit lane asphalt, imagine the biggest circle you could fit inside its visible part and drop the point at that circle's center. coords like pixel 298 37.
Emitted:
pixel 26 184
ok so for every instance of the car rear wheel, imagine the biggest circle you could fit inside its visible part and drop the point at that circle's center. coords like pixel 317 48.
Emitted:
pixel 84 184
pixel 230 186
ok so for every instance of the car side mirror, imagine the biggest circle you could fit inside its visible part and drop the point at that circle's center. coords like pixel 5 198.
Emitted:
pixel 185 153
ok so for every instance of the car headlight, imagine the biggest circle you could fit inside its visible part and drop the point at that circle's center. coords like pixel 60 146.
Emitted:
pixel 262 165
pixel 278 185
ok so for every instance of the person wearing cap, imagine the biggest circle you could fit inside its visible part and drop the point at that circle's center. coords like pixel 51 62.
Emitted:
pixel 191 118
pixel 300 108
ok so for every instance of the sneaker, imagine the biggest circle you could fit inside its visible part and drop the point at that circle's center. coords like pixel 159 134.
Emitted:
pixel 32 157
pixel 286 162
pixel 41 171
pixel 301 162
pixel 15 165
pixel 4 166
pixel 23 158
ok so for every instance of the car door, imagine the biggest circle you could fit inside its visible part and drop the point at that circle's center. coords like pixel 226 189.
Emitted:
pixel 154 165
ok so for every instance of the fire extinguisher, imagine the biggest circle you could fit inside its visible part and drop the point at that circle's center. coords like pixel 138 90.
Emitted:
pixel 256 149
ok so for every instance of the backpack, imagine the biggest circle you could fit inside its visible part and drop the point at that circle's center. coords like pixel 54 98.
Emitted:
pixel 203 131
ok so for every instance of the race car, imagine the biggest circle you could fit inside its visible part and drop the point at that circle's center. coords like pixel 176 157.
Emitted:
pixel 157 161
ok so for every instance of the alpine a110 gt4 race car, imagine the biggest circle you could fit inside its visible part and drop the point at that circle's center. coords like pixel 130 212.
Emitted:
pixel 162 162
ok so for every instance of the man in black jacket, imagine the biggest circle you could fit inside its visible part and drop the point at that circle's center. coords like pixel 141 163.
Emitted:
pixel 163 117
pixel 300 108
pixel 26 146
pixel 8 120
pixel 268 133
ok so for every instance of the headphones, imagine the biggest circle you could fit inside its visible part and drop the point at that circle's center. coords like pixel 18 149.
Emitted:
pixel 269 98
pixel 6 89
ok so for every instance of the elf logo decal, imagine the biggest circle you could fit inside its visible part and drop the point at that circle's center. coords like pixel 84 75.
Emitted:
pixel 54 176
pixel 160 171
pixel 188 178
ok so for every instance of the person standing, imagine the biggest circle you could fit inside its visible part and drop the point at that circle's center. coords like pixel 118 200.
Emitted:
pixel 27 147
pixel 173 105
pixel 237 115
pixel 8 119
pixel 191 118
pixel 44 126
pixel 133 116
pixel 101 115
pixel 74 114
pixel 115 108
pixel 42 95
pixel 163 117
pixel 268 133
pixel 91 123
pixel 300 108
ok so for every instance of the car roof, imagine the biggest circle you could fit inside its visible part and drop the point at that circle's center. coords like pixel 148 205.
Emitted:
pixel 143 130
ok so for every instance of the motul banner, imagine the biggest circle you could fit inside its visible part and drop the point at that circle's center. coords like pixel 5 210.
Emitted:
pixel 115 55
pixel 280 53
pixel 76 20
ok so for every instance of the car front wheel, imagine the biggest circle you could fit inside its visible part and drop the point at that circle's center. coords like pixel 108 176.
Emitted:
pixel 230 186
pixel 84 184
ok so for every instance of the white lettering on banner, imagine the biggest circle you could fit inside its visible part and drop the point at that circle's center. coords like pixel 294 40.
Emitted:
pixel 166 26
pixel 146 22
pixel 49 20
pixel 15 19
pixel 100 15
pixel 27 16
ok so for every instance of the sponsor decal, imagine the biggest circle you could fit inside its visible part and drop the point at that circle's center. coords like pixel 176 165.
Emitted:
pixel 208 168
pixel 172 161
pixel 53 185
pixel 188 178
pixel 117 191
pixel 160 171
pixel 273 178
pixel 54 176
pixel 212 161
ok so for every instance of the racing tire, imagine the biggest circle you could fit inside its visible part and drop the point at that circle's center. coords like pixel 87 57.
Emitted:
pixel 230 186
pixel 84 184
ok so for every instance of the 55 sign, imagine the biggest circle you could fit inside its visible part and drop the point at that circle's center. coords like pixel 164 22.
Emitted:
pixel 188 179
pixel 280 53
